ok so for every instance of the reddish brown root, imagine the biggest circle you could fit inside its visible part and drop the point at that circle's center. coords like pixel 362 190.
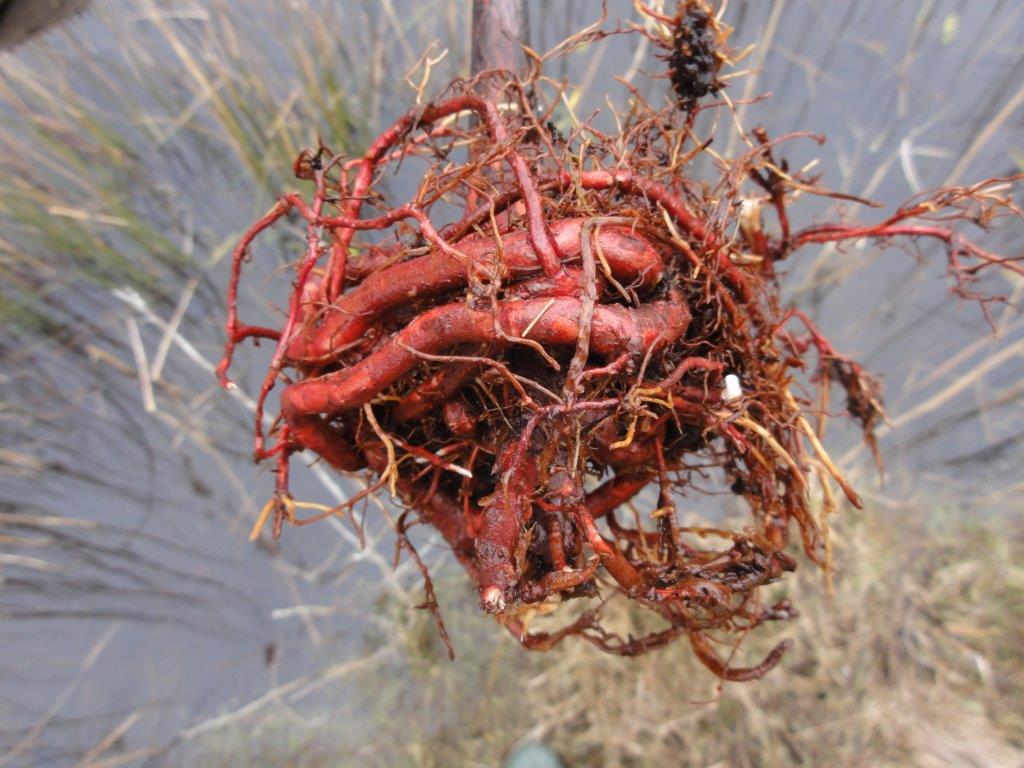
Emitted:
pixel 518 376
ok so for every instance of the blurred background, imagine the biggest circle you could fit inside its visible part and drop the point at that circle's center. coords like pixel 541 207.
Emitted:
pixel 139 626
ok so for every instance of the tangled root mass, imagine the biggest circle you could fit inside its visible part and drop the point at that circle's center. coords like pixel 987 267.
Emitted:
pixel 541 378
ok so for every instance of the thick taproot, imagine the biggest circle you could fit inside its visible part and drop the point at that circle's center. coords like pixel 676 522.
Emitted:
pixel 504 515
pixel 629 256
pixel 555 322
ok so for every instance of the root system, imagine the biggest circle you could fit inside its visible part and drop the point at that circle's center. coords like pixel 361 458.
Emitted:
pixel 562 337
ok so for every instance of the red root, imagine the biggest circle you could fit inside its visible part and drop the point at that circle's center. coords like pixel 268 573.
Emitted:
pixel 519 376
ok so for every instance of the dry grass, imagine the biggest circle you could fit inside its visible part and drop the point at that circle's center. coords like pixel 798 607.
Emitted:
pixel 917 660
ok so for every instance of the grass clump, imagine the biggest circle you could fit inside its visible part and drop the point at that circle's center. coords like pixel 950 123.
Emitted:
pixel 918 659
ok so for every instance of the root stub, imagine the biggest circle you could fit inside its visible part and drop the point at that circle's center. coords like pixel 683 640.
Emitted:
pixel 540 379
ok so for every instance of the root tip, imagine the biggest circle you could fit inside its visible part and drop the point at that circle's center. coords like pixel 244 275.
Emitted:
pixel 492 600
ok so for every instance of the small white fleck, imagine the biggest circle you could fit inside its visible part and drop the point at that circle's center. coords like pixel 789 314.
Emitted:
pixel 493 601
pixel 750 215
pixel 733 390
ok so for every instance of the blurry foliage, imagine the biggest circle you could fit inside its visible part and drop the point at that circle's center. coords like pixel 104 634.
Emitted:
pixel 917 660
